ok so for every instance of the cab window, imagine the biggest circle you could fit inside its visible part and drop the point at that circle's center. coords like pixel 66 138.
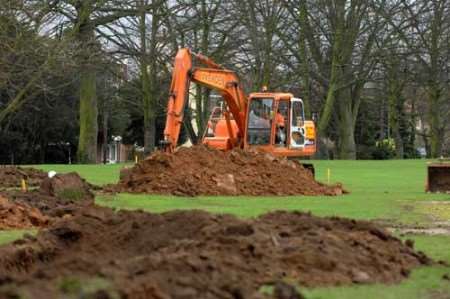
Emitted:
pixel 297 114
pixel 260 121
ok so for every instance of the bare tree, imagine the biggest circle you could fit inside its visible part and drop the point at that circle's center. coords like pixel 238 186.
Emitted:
pixel 337 41
pixel 260 22
pixel 425 29
pixel 26 57
pixel 207 27
pixel 84 19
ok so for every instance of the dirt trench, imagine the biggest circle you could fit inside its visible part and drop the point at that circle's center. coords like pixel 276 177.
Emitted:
pixel 56 197
pixel 195 254
pixel 204 171
pixel 11 176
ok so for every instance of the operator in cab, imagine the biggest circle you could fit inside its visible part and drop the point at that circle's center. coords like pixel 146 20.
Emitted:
pixel 280 122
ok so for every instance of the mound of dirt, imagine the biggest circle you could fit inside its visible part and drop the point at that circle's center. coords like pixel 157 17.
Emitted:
pixel 203 171
pixel 66 186
pixel 15 215
pixel 62 195
pixel 50 206
pixel 194 254
pixel 11 176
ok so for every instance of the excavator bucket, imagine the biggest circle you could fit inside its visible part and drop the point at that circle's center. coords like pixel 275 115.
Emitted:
pixel 438 179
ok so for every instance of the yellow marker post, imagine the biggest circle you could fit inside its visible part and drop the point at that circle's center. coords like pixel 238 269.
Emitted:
pixel 23 183
pixel 329 175
pixel 136 159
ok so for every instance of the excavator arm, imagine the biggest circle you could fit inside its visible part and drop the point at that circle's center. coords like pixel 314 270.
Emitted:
pixel 215 77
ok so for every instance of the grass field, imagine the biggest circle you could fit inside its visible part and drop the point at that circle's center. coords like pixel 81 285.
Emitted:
pixel 388 191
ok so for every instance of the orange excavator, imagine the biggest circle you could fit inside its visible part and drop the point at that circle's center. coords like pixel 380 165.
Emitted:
pixel 272 122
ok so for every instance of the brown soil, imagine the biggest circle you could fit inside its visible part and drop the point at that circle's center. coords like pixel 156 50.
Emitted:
pixel 11 176
pixel 194 254
pixel 203 171
pixel 50 206
pixel 68 185
pixel 59 196
pixel 15 215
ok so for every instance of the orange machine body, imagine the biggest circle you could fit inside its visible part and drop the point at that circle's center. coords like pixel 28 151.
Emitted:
pixel 268 121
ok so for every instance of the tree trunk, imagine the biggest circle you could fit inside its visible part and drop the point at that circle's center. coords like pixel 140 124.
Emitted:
pixel 148 80
pixel 205 112
pixel 305 63
pixel 267 67
pixel 202 93
pixel 346 126
pixel 84 35
pixel 437 133
pixel 395 114
pixel 149 135
pixel 410 146
pixel 336 73
pixel 105 135
pixel 147 104
pixel 435 91
pixel 382 120
pixel 198 108
pixel 87 143
pixel 187 121
pixel 202 109
pixel 399 144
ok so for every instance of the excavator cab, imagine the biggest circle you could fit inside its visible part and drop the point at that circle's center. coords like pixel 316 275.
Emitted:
pixel 276 123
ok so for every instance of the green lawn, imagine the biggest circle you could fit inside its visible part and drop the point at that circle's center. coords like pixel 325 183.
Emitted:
pixel 95 174
pixel 12 235
pixel 378 190
pixel 382 190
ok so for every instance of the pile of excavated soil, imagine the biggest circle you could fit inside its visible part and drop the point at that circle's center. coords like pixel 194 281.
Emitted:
pixel 59 196
pixel 67 186
pixel 11 176
pixel 203 171
pixel 15 215
pixel 194 254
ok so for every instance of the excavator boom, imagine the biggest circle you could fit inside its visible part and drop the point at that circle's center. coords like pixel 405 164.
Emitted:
pixel 178 95
pixel 215 77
